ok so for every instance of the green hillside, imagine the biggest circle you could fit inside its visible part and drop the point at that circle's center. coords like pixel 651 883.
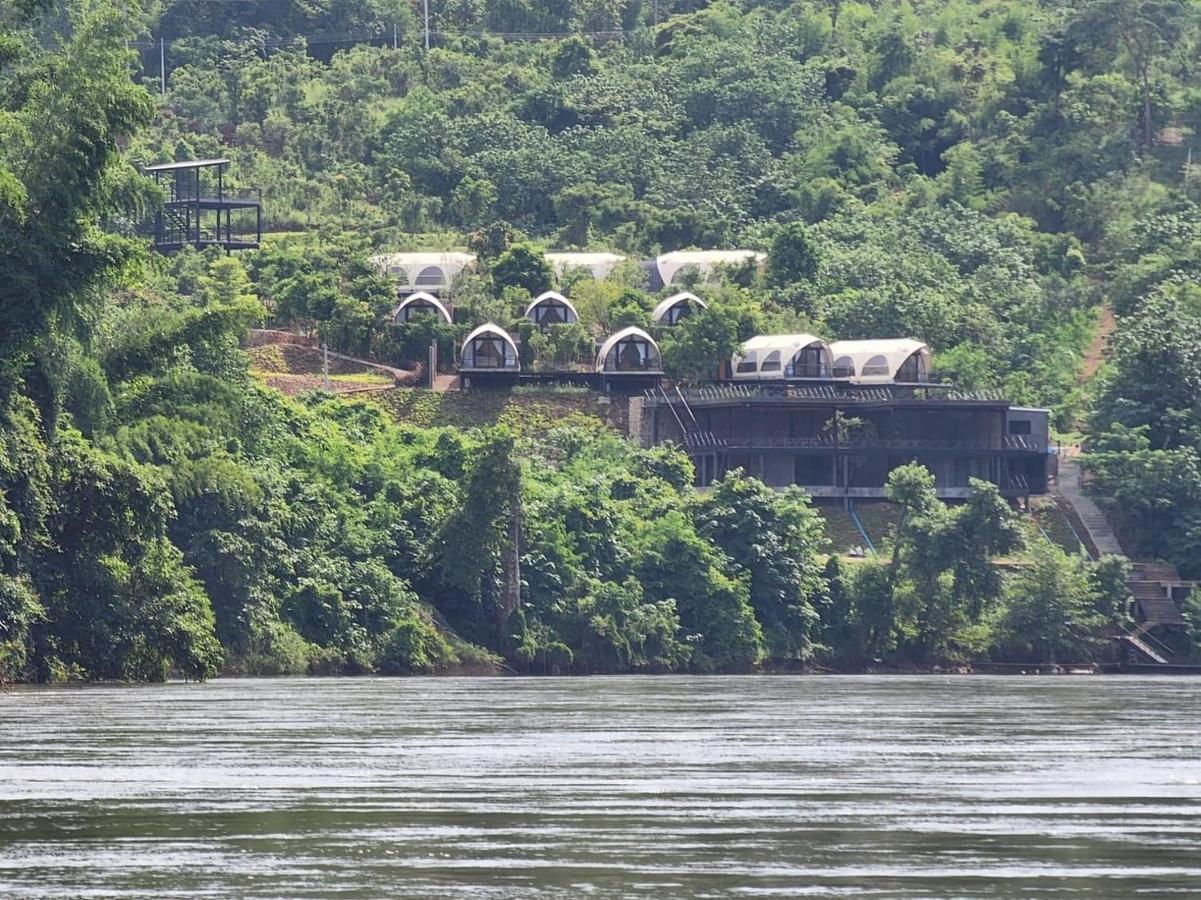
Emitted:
pixel 983 176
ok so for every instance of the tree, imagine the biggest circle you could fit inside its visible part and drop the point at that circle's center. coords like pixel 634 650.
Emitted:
pixel 774 539
pixel 60 173
pixel 1147 30
pixel 793 257
pixel 1048 616
pixel 522 266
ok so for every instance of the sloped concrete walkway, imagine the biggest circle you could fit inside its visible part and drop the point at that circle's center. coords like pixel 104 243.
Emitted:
pixel 1069 490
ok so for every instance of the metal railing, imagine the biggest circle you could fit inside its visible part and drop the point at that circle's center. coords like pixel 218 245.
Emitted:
pixel 841 393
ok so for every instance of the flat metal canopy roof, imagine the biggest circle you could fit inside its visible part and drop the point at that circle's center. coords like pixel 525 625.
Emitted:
pixel 187 164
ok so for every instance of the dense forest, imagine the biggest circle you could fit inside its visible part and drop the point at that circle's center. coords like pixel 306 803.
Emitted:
pixel 985 176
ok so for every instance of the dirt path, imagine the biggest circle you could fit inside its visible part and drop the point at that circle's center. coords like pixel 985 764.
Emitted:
pixel 261 336
pixel 1096 352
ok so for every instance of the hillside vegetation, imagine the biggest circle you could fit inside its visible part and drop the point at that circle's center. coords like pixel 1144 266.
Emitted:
pixel 977 175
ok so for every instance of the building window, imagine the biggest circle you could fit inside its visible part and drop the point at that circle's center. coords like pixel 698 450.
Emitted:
pixel 431 275
pixel 877 365
pixel 749 363
pixel 1019 426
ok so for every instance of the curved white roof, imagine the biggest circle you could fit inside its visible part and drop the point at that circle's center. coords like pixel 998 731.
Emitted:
pixel 665 305
pixel 669 264
pixel 599 264
pixel 550 295
pixel 429 298
pixel 762 346
pixel 490 330
pixel 892 353
pixel 612 341
pixel 413 264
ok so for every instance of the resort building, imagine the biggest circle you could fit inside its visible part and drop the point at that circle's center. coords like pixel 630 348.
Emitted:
pixel 838 418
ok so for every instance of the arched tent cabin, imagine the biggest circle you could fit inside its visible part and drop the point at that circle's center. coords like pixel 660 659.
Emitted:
pixel 551 308
pixel 676 307
pixel 629 359
pixel 886 361
pixel 488 356
pixel 598 265
pixel 779 357
pixel 668 267
pixel 421 304
pixel 430 272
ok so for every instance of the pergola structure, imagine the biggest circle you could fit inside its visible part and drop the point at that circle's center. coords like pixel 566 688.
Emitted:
pixel 200 210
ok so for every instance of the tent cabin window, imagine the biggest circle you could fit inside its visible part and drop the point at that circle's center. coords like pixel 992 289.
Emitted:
pixel 913 369
pixel 876 365
pixel 679 311
pixel 748 363
pixel 415 309
pixel 809 362
pixel 421 304
pixel 431 275
pixel 488 352
pixel 1019 426
pixel 397 272
pixel 844 367
pixel 550 313
pixel 771 362
pixel 632 354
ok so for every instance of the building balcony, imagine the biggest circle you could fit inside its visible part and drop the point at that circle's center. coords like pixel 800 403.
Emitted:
pixel 821 443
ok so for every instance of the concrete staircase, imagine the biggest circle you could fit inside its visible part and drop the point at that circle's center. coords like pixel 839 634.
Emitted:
pixel 1097 532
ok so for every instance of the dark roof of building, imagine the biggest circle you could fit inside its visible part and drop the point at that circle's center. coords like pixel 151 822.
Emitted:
pixel 186 164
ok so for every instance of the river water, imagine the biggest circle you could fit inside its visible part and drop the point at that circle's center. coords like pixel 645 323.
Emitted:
pixel 665 786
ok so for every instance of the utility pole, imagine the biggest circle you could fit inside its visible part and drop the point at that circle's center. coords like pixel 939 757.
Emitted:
pixel 656 13
pixel 426 3
pixel 393 35
pixel 325 363
pixel 162 66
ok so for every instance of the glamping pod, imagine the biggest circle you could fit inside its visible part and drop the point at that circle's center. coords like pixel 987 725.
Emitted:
pixel 676 307
pixel 705 262
pixel 776 357
pixel 889 360
pixel 421 304
pixel 598 264
pixel 432 272
pixel 551 308
pixel 629 360
pixel 488 357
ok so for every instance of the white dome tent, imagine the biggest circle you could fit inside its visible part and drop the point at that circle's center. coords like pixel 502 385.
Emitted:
pixel 773 357
pixel 677 307
pixel 705 262
pixel 489 348
pixel 419 304
pixel 429 271
pixel 629 351
pixel 551 308
pixel 599 265
pixel 883 361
